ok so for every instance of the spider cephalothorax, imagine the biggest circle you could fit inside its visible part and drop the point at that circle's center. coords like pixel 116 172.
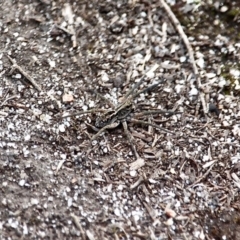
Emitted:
pixel 122 112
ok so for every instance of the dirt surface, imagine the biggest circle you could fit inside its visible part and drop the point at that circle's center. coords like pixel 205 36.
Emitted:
pixel 61 181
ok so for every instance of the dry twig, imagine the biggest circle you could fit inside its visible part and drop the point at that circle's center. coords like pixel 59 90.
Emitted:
pixel 202 177
pixel 78 225
pixel 184 37
pixel 23 72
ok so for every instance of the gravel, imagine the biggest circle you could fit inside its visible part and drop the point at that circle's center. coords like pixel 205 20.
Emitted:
pixel 60 58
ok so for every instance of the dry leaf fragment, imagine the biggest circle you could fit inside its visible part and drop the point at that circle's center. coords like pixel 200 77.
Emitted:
pixel 90 235
pixel 59 166
pixel 208 164
pixel 137 164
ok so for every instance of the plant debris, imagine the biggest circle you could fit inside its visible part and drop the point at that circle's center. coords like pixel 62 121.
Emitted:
pixel 65 66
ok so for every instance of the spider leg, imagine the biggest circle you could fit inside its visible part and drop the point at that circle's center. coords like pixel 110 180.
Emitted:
pixel 150 88
pixel 92 127
pixel 130 139
pixel 110 126
pixel 94 137
pixel 136 85
pixel 102 97
pixel 122 106
pixel 152 112
pixel 84 112
pixel 150 124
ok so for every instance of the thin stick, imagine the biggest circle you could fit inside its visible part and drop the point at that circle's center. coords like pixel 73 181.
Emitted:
pixel 184 37
pixel 129 137
pixel 83 112
pixel 7 99
pixel 202 177
pixel 23 72
pixel 78 225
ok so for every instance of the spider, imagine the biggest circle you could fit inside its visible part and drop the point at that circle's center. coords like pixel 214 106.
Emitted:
pixel 125 112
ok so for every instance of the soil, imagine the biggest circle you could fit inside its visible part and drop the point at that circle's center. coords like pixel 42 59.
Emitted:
pixel 66 64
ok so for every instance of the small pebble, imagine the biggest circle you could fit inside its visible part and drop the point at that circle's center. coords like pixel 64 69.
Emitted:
pixel 21 182
pixel 67 98
pixel 213 108
pixel 170 213
pixel 119 80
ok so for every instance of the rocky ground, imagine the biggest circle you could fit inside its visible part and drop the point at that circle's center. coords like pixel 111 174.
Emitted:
pixel 178 177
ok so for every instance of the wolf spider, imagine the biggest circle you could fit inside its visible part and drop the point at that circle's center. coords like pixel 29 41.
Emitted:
pixel 123 113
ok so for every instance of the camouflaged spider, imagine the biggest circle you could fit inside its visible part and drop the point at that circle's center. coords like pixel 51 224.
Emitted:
pixel 124 112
